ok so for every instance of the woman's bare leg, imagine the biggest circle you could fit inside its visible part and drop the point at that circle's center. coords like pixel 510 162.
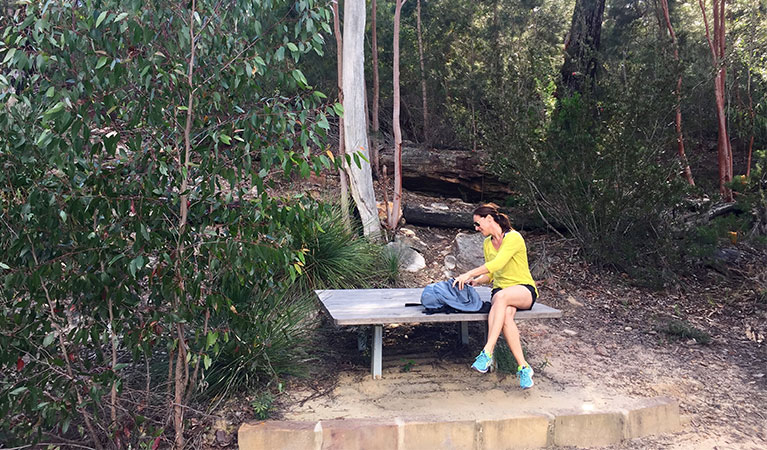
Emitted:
pixel 512 296
pixel 511 333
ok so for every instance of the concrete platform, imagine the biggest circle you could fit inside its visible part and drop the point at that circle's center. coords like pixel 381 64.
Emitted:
pixel 437 404
pixel 582 428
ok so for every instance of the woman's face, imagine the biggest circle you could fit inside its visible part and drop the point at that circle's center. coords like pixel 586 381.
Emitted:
pixel 482 224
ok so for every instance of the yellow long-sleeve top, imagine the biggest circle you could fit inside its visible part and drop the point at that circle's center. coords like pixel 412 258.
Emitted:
pixel 508 265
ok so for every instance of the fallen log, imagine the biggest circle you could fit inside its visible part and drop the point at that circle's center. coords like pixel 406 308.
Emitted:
pixel 436 216
pixel 452 173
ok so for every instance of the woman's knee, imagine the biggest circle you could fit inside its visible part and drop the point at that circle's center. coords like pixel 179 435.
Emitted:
pixel 514 296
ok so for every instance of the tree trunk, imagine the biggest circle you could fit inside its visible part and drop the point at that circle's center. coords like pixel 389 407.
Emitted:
pixel 678 117
pixel 717 46
pixel 355 122
pixel 376 88
pixel 752 115
pixel 340 69
pixel 423 77
pixel 393 218
pixel 579 70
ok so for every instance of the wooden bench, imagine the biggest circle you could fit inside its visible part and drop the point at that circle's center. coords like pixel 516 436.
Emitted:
pixel 379 307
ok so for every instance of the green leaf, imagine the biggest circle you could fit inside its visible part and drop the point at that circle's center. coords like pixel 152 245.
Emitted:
pixel 207 361
pixel 339 109
pixel 50 92
pixel 19 390
pixel 4 265
pixel 101 63
pixel 120 17
pixel 49 338
pixel 292 47
pixel 44 138
pixel 323 122
pixel 299 76
pixel 211 339
pixel 9 55
pixel 63 216
pixel 225 139
pixel 58 107
pixel 100 19
pixel 279 55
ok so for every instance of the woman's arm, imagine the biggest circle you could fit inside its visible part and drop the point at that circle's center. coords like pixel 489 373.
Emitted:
pixel 482 279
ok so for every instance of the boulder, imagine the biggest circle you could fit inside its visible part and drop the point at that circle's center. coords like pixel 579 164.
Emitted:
pixel 409 238
pixel 466 253
pixel 409 259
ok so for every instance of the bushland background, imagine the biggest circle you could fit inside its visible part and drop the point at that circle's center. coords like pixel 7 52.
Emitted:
pixel 161 241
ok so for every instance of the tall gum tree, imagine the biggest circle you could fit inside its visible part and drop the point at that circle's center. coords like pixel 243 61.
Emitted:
pixel 717 47
pixel 393 218
pixel 376 88
pixel 355 118
pixel 341 151
pixel 678 115
pixel 579 69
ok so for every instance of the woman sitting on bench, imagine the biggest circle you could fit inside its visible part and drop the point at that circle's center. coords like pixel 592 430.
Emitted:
pixel 513 286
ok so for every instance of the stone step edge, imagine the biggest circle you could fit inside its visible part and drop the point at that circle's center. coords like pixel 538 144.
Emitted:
pixel 567 427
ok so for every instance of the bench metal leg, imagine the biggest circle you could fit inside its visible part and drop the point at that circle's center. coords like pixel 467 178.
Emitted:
pixel 375 357
pixel 465 333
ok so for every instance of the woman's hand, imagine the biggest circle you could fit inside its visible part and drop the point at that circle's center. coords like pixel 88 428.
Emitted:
pixel 463 279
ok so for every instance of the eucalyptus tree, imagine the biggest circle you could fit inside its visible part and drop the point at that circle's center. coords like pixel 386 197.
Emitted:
pixel 355 117
pixel 715 36
pixel 138 142
pixel 579 70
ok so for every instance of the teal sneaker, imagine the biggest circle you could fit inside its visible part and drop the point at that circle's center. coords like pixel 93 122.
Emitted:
pixel 525 375
pixel 483 362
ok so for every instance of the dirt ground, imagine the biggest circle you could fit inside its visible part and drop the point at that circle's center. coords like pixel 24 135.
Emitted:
pixel 615 343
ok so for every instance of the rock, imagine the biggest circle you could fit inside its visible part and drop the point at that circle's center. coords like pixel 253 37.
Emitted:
pixel 573 301
pixel 628 328
pixel 570 332
pixel 727 255
pixel 409 259
pixel 222 438
pixel 409 238
pixel 601 350
pixel 467 249
pixel 450 262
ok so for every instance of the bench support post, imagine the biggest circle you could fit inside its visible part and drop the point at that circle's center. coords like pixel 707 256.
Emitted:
pixel 465 333
pixel 377 349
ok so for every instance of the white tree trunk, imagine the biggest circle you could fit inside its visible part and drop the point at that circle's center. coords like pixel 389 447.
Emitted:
pixel 355 120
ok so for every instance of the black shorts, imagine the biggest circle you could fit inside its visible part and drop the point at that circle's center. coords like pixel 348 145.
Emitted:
pixel 529 288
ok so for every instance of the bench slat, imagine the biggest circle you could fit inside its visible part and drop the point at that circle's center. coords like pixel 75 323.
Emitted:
pixel 387 306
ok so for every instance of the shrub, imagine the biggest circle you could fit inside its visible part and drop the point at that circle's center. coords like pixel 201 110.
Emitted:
pixel 137 144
